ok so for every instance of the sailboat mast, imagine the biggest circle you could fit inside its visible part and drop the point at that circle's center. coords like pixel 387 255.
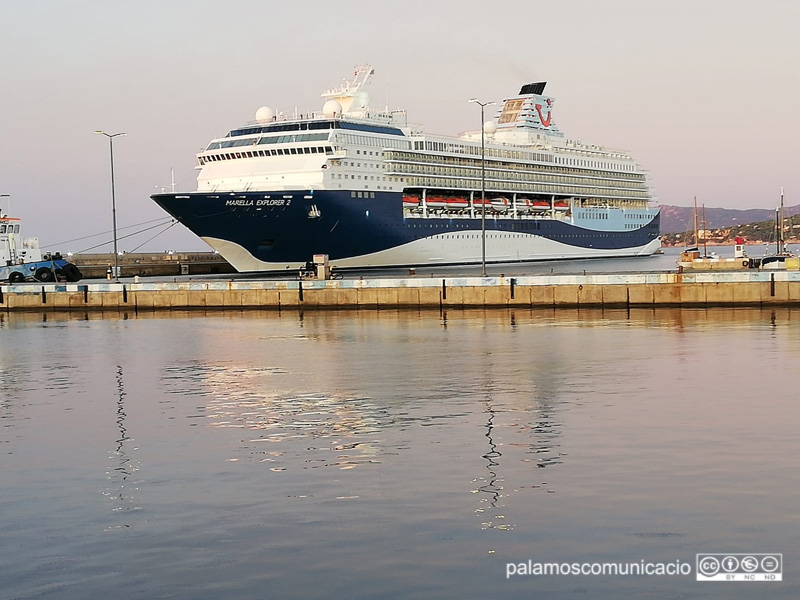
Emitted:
pixel 780 227
pixel 696 238
pixel 705 233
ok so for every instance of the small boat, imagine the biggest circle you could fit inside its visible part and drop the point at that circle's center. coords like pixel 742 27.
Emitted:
pixel 560 205
pixel 541 205
pixel 500 204
pixel 21 259
pixel 782 260
pixel 436 202
pixel 456 203
pixel 411 202
pixel 524 205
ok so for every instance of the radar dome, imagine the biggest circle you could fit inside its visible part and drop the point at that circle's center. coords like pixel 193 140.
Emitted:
pixel 331 108
pixel 490 127
pixel 265 114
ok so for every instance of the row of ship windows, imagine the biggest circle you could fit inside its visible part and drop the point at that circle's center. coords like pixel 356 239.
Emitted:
pixel 449 225
pixel 275 152
pixel 593 164
pixel 365 177
pixel 9 228
pixel 518 225
pixel 469 236
pixel 316 125
pixel 456 148
pixel 630 216
pixel 358 165
pixel 275 139
pixel 494 164
pixel 524 187
pixel 376 142
pixel 512 176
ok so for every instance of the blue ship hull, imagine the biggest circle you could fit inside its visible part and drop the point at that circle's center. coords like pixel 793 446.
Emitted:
pixel 273 230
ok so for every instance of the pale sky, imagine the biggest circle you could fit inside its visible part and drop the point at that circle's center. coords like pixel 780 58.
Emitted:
pixel 704 93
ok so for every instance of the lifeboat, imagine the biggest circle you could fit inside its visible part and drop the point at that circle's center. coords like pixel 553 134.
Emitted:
pixel 500 204
pixel 436 202
pixel 540 205
pixel 477 202
pixel 524 205
pixel 456 203
pixel 560 205
pixel 411 202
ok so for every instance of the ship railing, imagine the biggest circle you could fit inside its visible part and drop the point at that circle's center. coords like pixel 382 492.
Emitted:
pixel 397 118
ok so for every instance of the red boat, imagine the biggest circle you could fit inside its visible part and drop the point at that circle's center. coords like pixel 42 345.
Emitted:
pixel 410 202
pixel 457 203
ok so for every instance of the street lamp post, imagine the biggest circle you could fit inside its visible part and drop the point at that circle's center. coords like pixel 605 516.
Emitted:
pixel 483 185
pixel 111 137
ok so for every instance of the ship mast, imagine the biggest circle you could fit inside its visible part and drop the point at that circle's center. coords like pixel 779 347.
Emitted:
pixel 781 245
pixel 705 233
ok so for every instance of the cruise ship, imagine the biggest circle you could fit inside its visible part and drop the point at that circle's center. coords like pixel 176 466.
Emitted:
pixel 369 189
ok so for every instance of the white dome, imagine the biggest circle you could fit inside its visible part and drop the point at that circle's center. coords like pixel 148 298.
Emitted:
pixel 490 127
pixel 331 108
pixel 265 114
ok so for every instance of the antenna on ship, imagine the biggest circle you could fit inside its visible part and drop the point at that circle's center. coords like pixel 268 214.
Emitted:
pixel 9 204
pixel 163 188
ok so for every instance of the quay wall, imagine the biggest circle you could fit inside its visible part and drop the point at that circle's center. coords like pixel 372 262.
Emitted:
pixel 706 289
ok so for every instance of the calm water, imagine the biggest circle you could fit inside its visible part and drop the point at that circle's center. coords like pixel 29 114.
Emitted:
pixel 394 454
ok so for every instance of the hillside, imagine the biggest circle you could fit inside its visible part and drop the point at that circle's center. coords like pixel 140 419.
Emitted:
pixel 762 232
pixel 679 219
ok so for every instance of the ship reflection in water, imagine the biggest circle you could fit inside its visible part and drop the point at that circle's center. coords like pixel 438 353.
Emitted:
pixel 400 454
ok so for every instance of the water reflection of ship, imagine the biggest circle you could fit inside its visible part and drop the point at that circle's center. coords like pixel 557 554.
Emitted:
pixel 122 487
pixel 538 422
pixel 244 397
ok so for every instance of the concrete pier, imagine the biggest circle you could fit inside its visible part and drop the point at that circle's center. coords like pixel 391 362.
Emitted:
pixel 756 288
pixel 152 264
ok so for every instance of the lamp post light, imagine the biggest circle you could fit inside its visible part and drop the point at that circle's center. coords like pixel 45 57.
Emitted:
pixel 111 137
pixel 483 105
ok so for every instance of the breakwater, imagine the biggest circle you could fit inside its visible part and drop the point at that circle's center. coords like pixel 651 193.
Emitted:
pixel 611 290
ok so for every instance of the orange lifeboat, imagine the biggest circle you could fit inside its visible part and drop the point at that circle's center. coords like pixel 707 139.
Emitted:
pixel 436 201
pixel 457 203
pixel 410 201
